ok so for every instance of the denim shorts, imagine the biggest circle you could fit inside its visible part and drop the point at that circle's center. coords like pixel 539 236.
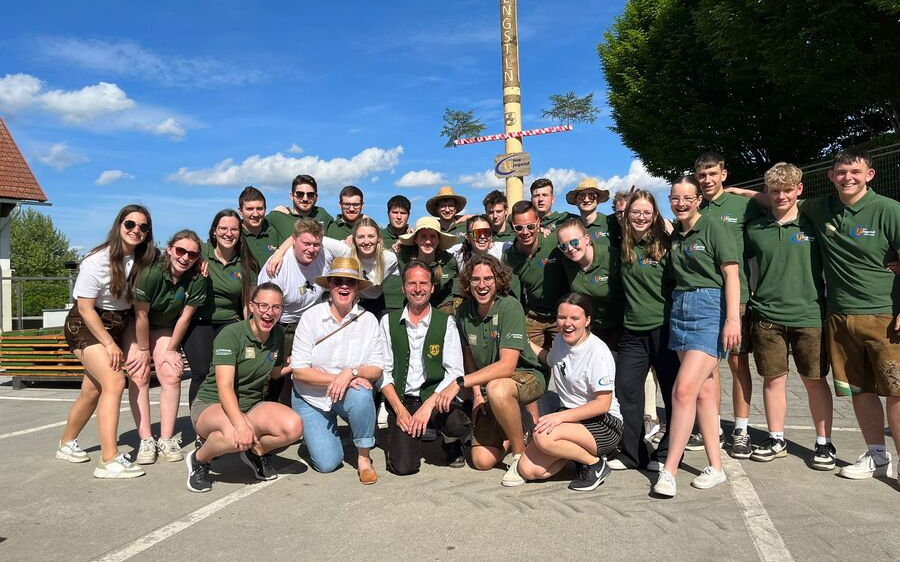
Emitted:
pixel 696 321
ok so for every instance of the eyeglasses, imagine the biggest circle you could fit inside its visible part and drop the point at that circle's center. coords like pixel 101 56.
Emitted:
pixel 574 243
pixel 689 200
pixel 301 195
pixel 637 214
pixel 531 227
pixel 343 282
pixel 181 252
pixel 586 196
pixel 481 233
pixel 130 225
pixel 264 307
pixel 226 230
pixel 486 281
pixel 351 205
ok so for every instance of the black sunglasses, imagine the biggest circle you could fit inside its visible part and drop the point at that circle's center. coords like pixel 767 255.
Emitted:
pixel 130 224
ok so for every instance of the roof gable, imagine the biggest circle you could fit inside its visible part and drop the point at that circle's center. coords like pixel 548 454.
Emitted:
pixel 16 179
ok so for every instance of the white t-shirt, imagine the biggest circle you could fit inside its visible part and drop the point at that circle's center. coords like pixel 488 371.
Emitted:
pixel 496 250
pixel 368 265
pixel 93 281
pixel 358 344
pixel 582 370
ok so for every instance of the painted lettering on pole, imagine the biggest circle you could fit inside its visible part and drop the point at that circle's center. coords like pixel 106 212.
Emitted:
pixel 509 43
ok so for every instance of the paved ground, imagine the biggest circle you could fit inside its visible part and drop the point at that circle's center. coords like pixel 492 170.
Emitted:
pixel 781 511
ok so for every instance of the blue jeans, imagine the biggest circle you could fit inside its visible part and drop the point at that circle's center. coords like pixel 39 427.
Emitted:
pixel 320 431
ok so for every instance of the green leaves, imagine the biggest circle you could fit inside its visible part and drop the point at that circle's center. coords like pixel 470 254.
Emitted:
pixel 40 250
pixel 460 125
pixel 568 108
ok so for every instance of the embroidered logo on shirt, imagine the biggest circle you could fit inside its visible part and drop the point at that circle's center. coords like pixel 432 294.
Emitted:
pixel 648 262
pixel 473 339
pixel 600 278
pixel 605 381
pixel 273 355
pixel 801 237
pixel 434 350
pixel 235 274
pixel 223 352
pixel 695 247
pixel 271 248
pixel 728 219
pixel 250 353
pixel 599 234
pixel 861 231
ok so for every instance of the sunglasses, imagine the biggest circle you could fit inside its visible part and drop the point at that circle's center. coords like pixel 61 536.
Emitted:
pixel 481 233
pixel 130 224
pixel 301 195
pixel 343 282
pixel 181 252
pixel 531 227
pixel 574 242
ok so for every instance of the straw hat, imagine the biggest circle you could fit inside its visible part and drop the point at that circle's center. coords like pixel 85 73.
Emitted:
pixel 347 268
pixel 429 223
pixel 588 184
pixel 445 192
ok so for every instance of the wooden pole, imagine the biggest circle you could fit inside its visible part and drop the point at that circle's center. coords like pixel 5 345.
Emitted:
pixel 512 93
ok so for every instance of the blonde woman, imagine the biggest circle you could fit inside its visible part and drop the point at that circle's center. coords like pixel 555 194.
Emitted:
pixel 378 264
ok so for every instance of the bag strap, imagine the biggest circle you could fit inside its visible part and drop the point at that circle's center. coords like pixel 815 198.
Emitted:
pixel 338 329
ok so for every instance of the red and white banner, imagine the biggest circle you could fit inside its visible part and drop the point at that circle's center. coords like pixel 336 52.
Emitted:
pixel 514 134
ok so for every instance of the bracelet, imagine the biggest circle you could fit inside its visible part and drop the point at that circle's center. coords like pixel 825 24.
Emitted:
pixel 143 349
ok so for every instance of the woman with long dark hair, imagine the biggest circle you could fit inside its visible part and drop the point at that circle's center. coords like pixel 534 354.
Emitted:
pixel 94 330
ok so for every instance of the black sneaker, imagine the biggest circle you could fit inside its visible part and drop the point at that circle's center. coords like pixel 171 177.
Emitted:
pixel 770 449
pixel 695 442
pixel 824 459
pixel 741 447
pixel 260 465
pixel 454 452
pixel 590 476
pixel 198 479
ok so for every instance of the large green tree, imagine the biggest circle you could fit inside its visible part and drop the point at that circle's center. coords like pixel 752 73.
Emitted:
pixel 757 81
pixel 460 125
pixel 39 249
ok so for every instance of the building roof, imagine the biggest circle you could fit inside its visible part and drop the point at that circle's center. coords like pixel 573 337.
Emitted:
pixel 16 179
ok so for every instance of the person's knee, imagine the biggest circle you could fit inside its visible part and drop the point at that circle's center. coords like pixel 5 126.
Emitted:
pixel 543 441
pixel 326 462
pixel 294 428
pixel 681 394
pixel 499 390
pixel 530 471
pixel 708 393
pixel 483 460
pixel 114 384
pixel 359 399
pixel 403 462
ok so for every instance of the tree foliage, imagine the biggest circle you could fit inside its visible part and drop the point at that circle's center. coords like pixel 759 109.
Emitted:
pixel 568 108
pixel 757 81
pixel 460 125
pixel 38 249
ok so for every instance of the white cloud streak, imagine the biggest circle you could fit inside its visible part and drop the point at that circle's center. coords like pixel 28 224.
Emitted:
pixel 111 176
pixel 421 178
pixel 60 157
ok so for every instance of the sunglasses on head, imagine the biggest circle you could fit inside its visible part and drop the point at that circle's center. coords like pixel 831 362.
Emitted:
pixel 574 242
pixel 130 224
pixel 530 227
pixel 181 252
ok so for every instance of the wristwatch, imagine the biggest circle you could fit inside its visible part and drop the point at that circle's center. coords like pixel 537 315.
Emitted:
pixel 354 372
pixel 461 381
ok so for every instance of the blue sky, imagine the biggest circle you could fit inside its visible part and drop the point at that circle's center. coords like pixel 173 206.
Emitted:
pixel 180 105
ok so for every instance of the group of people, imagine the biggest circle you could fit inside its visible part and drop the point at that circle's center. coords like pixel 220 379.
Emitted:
pixel 458 325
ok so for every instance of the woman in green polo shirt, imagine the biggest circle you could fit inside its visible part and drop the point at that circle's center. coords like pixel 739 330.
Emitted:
pixel 231 276
pixel 230 414
pixel 705 321
pixel 165 298
pixel 429 244
pixel 592 268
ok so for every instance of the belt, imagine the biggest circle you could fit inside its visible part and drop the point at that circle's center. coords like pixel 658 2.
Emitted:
pixel 540 317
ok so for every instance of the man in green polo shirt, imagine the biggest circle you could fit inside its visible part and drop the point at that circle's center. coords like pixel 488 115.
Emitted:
pixel 262 237
pixel 351 201
pixel 734 212
pixel 787 309
pixel 500 365
pixel 304 194
pixel 398 208
pixel 859 233
pixel 542 197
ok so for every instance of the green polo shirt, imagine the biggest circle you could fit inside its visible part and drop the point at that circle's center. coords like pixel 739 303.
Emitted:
pixel 284 222
pixel 790 289
pixel 508 234
pixel 339 229
pixel 502 328
pixel 554 219
pixel 541 275
pixel 265 243
pixel 392 287
pixel 236 345
pixel 647 285
pixel 735 212
pixel 601 282
pixel 857 241
pixel 168 299
pixel 388 236
pixel 224 289
pixel 604 229
pixel 697 254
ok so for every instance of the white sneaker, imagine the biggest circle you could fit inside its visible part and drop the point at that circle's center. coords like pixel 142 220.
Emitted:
pixel 867 466
pixel 512 477
pixel 709 478
pixel 382 416
pixel 119 467
pixel 147 451
pixel 170 449
pixel 70 451
pixel 616 464
pixel 665 485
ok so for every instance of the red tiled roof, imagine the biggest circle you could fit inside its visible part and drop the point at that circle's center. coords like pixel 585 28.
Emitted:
pixel 16 179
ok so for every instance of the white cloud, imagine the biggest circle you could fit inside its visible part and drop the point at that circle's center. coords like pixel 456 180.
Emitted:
pixel 102 106
pixel 278 169
pixel 295 149
pixel 110 176
pixel 563 179
pixel 421 178
pixel 60 156
pixel 637 176
pixel 483 180
pixel 128 58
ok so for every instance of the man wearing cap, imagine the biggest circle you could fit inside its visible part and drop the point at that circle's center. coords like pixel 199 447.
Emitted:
pixel 305 261
pixel 422 356
pixel 304 194
pixel 446 206
pixel 338 355
pixel 428 243
pixel 587 196
pixel 542 198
